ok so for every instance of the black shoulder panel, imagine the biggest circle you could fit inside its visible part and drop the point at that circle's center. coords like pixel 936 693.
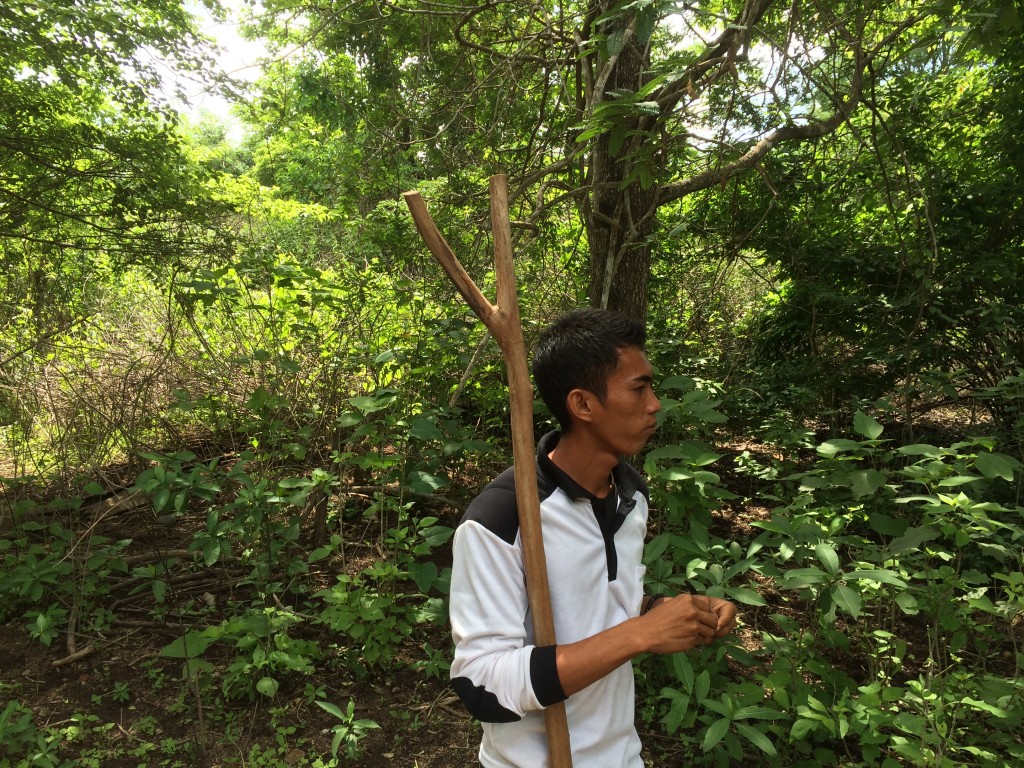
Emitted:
pixel 495 507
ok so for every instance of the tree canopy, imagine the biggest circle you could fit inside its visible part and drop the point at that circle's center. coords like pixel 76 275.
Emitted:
pixel 92 169
pixel 613 112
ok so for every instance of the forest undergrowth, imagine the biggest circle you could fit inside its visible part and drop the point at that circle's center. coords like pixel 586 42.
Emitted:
pixel 222 605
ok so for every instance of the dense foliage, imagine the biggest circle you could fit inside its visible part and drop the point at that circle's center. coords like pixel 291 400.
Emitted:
pixel 240 408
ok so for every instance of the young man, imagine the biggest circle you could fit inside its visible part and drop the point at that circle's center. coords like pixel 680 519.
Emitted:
pixel 591 370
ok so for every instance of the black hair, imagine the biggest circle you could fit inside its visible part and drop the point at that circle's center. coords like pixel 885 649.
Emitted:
pixel 579 350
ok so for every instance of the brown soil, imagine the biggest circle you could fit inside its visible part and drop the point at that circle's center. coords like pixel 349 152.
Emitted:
pixel 123 694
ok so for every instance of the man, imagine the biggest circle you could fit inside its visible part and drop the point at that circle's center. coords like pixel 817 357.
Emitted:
pixel 591 370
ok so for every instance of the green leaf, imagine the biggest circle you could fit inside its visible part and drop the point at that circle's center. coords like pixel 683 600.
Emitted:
pixel 436 535
pixel 866 425
pixel 159 590
pixel 958 480
pixel 331 709
pixel 744 595
pixel 756 738
pixel 912 539
pixel 348 420
pixel 723 708
pixel 424 482
pixel 320 553
pixel 193 643
pixel 865 482
pixel 258 399
pixel 616 138
pixel 831 448
pixel 828 557
pixel 368 404
pixel 615 40
pixel 684 383
pixel 193 667
pixel 715 733
pixel 678 709
pixel 985 707
pixel 160 498
pixel 757 712
pixel 211 551
pixel 847 599
pixel 801 728
pixel 646 20
pixel 877 575
pixel 702 685
pixel 919 449
pixel 267 686
pixel 690 452
pixel 993 465
pixel 424 574
pixel 907 603
pixel 683 670
pixel 887 525
pixel 425 429
pixel 803 577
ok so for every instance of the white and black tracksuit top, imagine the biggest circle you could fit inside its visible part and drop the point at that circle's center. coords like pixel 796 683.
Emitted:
pixel 593 549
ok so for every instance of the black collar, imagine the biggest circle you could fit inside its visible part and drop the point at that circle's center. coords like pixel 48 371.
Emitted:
pixel 623 480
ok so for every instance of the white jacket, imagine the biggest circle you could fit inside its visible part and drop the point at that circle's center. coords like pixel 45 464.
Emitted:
pixel 596 582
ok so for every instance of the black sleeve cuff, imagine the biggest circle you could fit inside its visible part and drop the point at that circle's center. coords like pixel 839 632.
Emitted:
pixel 544 676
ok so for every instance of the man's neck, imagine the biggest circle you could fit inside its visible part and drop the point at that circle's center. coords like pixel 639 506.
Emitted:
pixel 580 460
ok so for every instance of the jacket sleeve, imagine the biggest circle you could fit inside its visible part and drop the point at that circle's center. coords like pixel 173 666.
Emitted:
pixel 497 671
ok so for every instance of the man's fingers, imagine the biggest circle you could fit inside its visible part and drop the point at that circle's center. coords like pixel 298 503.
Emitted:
pixel 709 619
pixel 700 619
pixel 702 606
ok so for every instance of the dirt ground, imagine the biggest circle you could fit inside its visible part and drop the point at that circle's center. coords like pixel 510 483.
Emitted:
pixel 420 721
pixel 123 704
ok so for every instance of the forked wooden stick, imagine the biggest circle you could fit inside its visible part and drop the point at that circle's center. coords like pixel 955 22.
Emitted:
pixel 502 320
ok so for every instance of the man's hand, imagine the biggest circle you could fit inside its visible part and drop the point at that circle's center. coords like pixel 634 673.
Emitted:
pixel 673 625
pixel 686 621
pixel 726 612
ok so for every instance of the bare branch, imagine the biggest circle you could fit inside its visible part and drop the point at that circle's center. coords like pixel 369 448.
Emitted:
pixel 804 132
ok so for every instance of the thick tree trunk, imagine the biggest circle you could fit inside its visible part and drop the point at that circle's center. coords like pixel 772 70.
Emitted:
pixel 619 266
pixel 619 218
pixel 620 211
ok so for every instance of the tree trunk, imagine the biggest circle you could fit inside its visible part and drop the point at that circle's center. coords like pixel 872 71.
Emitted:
pixel 619 218
pixel 620 260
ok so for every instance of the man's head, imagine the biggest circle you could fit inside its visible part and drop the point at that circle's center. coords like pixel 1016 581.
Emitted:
pixel 580 350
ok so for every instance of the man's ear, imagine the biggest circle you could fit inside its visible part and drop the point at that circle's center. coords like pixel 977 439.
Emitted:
pixel 580 403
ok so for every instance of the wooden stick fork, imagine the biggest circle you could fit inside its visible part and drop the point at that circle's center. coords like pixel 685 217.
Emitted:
pixel 502 320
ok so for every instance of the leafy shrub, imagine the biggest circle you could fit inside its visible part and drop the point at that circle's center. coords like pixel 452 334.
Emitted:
pixel 884 590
